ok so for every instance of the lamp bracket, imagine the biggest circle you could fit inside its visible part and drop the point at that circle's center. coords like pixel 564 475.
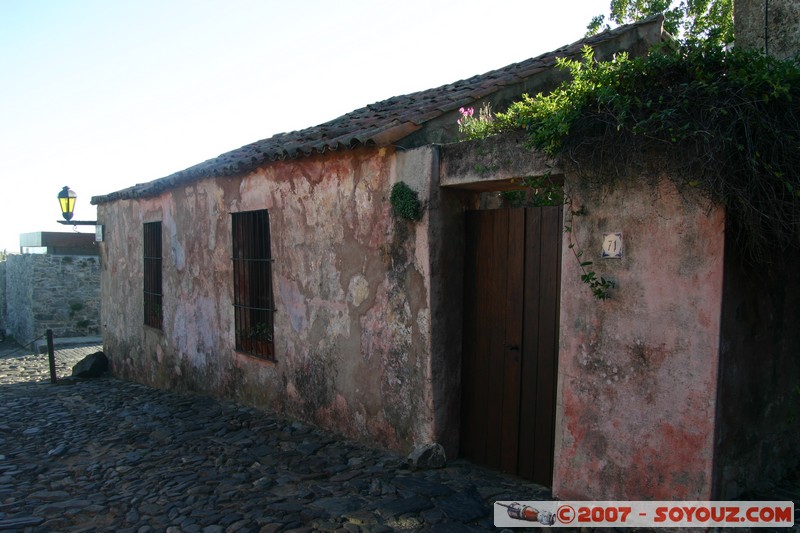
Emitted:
pixel 77 222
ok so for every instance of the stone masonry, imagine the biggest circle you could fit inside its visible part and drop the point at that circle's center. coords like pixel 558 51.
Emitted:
pixel 58 292
pixel 780 36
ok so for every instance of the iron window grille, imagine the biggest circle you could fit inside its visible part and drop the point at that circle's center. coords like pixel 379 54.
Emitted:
pixel 153 296
pixel 253 302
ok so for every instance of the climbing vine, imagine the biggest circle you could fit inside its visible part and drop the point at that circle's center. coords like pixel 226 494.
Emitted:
pixel 726 123
pixel 600 286
pixel 543 191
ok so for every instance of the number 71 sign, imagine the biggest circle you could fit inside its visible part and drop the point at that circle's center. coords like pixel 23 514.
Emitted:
pixel 612 245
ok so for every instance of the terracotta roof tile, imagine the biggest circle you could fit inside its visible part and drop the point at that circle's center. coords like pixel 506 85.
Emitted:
pixel 381 123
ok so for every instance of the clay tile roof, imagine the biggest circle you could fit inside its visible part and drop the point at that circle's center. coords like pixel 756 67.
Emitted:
pixel 379 124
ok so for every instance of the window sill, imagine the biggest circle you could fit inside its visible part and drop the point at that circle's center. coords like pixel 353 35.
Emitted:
pixel 252 358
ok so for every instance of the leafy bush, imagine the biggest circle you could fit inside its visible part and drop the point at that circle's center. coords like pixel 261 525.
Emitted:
pixel 724 122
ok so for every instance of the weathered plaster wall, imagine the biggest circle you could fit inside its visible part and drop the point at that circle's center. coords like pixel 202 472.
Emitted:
pixel 782 30
pixel 637 372
pixel 58 292
pixel 446 247
pixel 353 324
pixel 493 164
pixel 758 431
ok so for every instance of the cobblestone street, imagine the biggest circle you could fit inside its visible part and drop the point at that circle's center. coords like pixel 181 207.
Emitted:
pixel 110 455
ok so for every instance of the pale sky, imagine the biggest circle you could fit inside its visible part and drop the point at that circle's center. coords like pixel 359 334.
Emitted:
pixel 100 95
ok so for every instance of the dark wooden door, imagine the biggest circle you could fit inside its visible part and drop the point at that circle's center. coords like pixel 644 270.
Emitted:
pixel 510 345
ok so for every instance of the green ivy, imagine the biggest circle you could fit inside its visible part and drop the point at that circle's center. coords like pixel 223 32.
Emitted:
pixel 405 202
pixel 724 122
pixel 600 286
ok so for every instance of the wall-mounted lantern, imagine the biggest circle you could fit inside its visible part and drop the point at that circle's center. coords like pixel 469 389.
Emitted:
pixel 66 199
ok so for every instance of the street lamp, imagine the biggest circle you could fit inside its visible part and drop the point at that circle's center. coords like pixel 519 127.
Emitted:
pixel 66 198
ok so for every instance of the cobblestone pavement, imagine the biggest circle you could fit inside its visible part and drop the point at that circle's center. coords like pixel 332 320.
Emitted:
pixel 111 455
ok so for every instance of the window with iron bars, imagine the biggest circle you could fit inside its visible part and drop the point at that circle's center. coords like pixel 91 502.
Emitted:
pixel 153 297
pixel 253 302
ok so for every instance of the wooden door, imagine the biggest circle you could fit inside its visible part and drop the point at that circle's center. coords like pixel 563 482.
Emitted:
pixel 510 344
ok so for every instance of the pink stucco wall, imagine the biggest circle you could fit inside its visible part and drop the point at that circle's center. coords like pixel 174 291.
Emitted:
pixel 638 372
pixel 352 328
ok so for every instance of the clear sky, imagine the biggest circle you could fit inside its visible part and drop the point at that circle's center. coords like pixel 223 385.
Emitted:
pixel 100 95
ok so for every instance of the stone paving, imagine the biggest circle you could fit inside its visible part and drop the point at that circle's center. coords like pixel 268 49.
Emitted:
pixel 110 455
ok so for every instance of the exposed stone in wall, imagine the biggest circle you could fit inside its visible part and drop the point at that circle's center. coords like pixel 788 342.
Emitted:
pixel 58 292
pixel 782 32
pixel 638 372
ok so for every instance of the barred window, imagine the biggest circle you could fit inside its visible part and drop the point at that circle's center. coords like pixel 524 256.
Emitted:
pixel 253 302
pixel 153 297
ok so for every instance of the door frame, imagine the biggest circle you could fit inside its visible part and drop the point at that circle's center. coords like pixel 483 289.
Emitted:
pixel 512 340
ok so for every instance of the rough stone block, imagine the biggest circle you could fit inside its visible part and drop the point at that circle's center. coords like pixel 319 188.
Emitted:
pixel 91 366
pixel 427 456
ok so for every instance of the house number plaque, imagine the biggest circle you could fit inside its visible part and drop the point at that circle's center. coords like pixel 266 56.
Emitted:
pixel 612 245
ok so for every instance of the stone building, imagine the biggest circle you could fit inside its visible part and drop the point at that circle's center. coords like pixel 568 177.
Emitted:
pixel 278 275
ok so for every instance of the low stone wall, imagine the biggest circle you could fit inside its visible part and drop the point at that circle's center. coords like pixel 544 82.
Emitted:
pixel 58 292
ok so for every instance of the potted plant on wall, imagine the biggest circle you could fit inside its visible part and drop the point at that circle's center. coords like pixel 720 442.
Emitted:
pixel 257 339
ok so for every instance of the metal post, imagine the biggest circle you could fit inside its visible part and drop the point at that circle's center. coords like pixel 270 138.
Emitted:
pixel 51 355
pixel 766 27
